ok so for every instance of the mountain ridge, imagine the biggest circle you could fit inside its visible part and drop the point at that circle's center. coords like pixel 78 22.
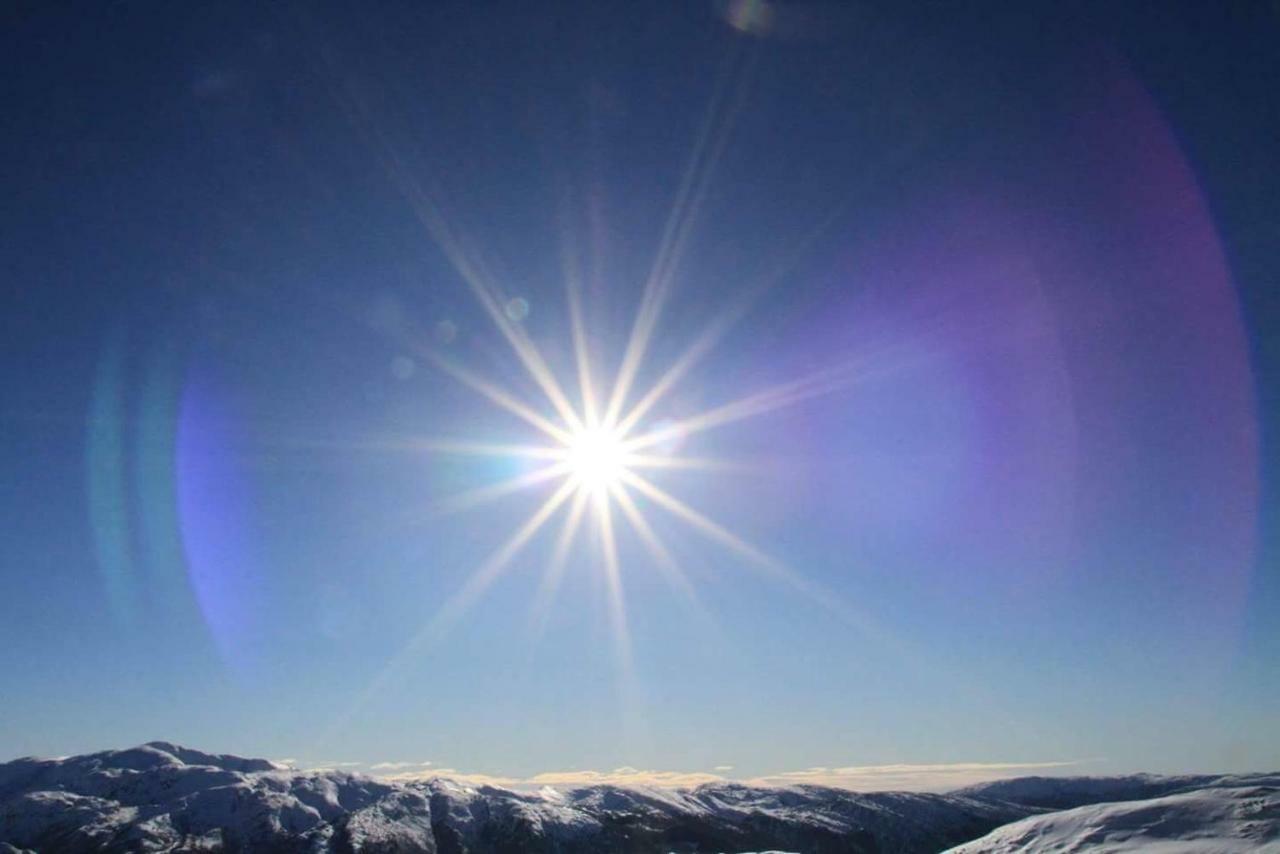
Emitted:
pixel 161 796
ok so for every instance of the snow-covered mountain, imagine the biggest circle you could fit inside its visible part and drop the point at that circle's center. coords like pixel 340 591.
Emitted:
pixel 1230 815
pixel 161 797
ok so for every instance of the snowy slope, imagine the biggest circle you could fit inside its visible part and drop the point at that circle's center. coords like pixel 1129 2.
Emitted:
pixel 718 817
pixel 1220 818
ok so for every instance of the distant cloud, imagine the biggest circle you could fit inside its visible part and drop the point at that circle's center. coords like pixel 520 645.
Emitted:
pixel 397 766
pixel 332 766
pixel 625 776
pixel 460 777
pixel 916 778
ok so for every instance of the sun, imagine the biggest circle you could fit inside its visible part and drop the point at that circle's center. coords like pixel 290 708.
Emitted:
pixel 595 454
pixel 597 459
pixel 596 445
pixel 601 433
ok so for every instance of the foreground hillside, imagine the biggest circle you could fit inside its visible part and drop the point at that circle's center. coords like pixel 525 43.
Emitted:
pixel 161 797
pixel 1232 815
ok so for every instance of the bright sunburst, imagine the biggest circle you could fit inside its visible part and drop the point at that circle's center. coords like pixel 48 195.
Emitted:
pixel 594 454
pixel 591 451
pixel 597 458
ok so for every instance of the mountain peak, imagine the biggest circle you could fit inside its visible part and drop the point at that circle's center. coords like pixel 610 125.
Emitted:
pixel 225 761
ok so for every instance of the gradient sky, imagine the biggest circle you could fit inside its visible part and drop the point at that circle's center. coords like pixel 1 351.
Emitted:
pixel 1030 517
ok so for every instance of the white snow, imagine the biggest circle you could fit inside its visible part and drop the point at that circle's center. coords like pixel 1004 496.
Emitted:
pixel 1219 819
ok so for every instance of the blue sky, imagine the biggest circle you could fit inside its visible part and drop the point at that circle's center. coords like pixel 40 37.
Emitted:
pixel 999 499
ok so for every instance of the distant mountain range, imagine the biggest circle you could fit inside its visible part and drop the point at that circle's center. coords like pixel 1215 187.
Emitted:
pixel 162 797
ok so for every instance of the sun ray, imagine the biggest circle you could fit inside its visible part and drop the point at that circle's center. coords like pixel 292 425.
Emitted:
pixel 457 605
pixel 497 395
pixel 774 397
pixel 578 332
pixel 540 610
pixel 655 461
pixel 431 215
pixel 437 445
pixel 666 563
pixel 469 266
pixel 527 352
pixel 712 529
pixel 425 206
pixel 580 350
pixel 483 449
pixel 613 579
pixel 728 539
pixel 769 566
pixel 489 571
pixel 720 325
pixel 691 356
pixel 708 146
pixel 484 494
